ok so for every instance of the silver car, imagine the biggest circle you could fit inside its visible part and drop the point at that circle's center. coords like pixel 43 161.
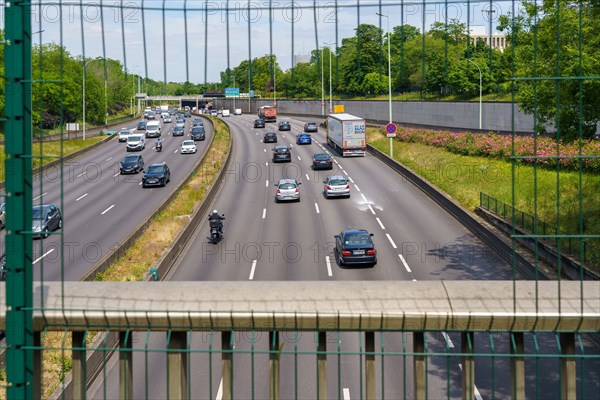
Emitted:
pixel 287 189
pixel 336 186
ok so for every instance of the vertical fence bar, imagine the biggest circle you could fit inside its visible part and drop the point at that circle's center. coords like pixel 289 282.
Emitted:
pixel 125 366
pixel 370 368
pixel 419 371
pixel 322 365
pixel 468 365
pixel 37 365
pixel 517 366
pixel 274 366
pixel 18 128
pixel 79 370
pixel 177 362
pixel 568 366
pixel 226 364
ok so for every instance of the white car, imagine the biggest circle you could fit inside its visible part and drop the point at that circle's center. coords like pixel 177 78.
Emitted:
pixel 136 142
pixel 225 113
pixel 188 146
pixel 237 111
pixel 124 133
pixel 167 119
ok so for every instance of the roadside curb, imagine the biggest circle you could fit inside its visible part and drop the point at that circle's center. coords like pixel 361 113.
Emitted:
pixel 466 218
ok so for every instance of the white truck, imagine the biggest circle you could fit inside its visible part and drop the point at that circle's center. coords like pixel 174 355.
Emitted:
pixel 347 134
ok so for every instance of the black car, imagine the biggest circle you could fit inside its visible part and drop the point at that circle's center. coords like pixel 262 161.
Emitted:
pixel 311 127
pixel 132 164
pixel 177 131
pixel 355 246
pixel 198 133
pixel 187 114
pixel 282 153
pixel 180 120
pixel 322 161
pixel 259 123
pixel 198 121
pixel 270 137
pixel 45 218
pixel 284 126
pixel 156 175
pixel 141 126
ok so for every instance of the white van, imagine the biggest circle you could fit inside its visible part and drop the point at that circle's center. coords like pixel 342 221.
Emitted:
pixel 225 113
pixel 152 129
pixel 237 111
pixel 136 142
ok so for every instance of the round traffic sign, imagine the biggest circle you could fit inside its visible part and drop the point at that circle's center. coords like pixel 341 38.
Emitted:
pixel 390 128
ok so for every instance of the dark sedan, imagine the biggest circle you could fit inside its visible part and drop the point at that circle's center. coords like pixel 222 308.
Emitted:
pixel 322 161
pixel 198 133
pixel 156 175
pixel 355 246
pixel 285 126
pixel 132 164
pixel 311 127
pixel 259 123
pixel 281 153
pixel 270 137
pixel 141 126
pixel 177 131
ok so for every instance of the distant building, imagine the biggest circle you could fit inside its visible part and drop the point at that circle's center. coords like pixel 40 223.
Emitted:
pixel 301 58
pixel 498 40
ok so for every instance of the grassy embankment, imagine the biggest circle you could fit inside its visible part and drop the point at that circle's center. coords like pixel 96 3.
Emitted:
pixel 135 263
pixel 464 177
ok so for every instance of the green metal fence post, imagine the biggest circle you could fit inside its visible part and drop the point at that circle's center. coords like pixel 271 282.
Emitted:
pixel 19 297
pixel 274 383
pixel 419 366
pixel 125 365
pixel 517 366
pixel 370 367
pixel 568 366
pixel 79 364
pixel 227 364
pixel 322 365
pixel 468 365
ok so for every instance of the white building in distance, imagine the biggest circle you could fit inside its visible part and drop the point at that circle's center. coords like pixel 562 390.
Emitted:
pixel 495 41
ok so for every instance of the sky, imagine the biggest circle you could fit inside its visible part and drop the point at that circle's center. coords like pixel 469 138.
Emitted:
pixel 127 25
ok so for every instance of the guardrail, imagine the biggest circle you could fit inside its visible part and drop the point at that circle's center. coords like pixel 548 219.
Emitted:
pixel 509 309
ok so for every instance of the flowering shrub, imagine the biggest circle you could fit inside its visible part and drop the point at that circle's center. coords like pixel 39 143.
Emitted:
pixel 501 147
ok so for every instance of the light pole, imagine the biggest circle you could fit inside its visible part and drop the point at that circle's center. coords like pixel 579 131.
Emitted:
pixel 330 88
pixel 480 90
pixel 83 95
pixel 389 72
pixel 322 85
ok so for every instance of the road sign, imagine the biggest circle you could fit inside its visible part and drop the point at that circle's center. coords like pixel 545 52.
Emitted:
pixel 232 92
pixel 390 129
pixel 252 93
pixel 338 108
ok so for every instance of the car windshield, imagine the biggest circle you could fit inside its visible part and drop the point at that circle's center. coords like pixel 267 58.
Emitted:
pixel 357 238
pixel 287 186
pixel 338 182
pixel 303 136
pixel 311 124
pixel 38 213
pixel 133 138
pixel 321 156
pixel 178 128
pixel 130 159
pixel 155 169
pixel 281 150
pixel 188 143
pixel 270 134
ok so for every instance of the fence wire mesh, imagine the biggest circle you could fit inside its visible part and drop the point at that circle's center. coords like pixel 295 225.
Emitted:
pixel 76 72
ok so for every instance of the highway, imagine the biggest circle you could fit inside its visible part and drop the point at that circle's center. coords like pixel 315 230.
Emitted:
pixel 101 207
pixel 264 240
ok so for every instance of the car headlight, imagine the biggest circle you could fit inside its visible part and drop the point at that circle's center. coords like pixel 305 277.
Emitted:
pixel 37 228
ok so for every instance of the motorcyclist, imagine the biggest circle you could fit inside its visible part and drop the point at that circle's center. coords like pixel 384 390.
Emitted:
pixel 215 220
pixel 159 144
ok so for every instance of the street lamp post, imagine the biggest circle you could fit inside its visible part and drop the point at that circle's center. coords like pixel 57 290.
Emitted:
pixel 330 88
pixel 322 85
pixel 480 91
pixel 389 73
pixel 83 96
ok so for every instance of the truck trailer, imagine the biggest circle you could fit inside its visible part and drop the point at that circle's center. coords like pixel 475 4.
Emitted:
pixel 347 134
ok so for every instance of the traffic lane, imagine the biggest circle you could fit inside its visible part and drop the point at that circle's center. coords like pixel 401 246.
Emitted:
pixel 242 199
pixel 113 217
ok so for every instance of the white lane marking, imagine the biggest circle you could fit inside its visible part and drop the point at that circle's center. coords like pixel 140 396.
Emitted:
pixel 266 163
pixel 107 210
pixel 448 340
pixel 328 262
pixel 108 159
pixel 371 208
pixel 414 280
pixel 344 171
pixel 81 197
pixel 175 151
pixel 346 392
pixel 336 161
pixel 307 177
pixel 252 270
pixel 81 174
pixel 291 145
pixel 357 188
pixel 115 174
pixel 220 391
pixel 267 183
pixel 405 263
pixel 380 224
pixel 264 213
pixel 364 198
pixel 43 255
pixel 351 180
pixel 317 208
pixel 475 390
pixel 265 150
pixel 140 184
pixel 391 241
pixel 43 194
pixel 283 136
pixel 299 159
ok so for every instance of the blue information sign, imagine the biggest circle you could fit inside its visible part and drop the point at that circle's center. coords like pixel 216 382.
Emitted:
pixel 232 92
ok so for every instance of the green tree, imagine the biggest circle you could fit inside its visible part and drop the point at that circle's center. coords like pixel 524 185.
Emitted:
pixel 375 83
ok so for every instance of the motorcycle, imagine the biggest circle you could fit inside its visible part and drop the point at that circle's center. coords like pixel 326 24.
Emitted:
pixel 159 146
pixel 216 230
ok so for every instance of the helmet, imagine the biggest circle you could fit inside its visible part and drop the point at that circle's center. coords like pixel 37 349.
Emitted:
pixel 215 212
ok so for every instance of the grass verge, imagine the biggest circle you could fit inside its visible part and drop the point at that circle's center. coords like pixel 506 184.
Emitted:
pixel 135 263
pixel 51 150
pixel 557 197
